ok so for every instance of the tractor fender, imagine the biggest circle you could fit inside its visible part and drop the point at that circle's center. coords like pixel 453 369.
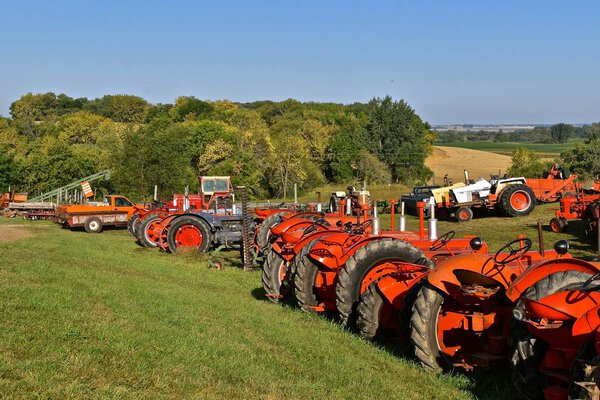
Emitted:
pixel 395 287
pixel 329 249
pixel 586 325
pixel 296 232
pixel 471 268
pixel 564 305
pixel 312 236
pixel 540 271
pixel 286 224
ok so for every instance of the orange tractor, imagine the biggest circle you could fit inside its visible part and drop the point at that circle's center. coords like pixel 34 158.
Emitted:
pixel 555 335
pixel 333 271
pixel 294 231
pixel 462 314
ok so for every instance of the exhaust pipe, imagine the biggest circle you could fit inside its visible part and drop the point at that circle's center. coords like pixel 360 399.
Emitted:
pixel 348 206
pixel 375 220
pixel 402 218
pixel 319 205
pixel 432 223
pixel 466 177
pixel 541 238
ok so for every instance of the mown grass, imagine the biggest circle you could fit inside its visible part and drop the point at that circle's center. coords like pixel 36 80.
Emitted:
pixel 543 150
pixel 94 316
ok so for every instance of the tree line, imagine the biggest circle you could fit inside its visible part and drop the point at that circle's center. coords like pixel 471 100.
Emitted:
pixel 557 133
pixel 50 140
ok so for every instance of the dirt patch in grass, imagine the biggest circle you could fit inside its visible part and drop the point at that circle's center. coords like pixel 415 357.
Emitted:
pixel 454 160
pixel 13 232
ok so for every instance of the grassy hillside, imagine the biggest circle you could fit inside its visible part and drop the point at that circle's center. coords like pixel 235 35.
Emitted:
pixel 95 316
pixel 543 150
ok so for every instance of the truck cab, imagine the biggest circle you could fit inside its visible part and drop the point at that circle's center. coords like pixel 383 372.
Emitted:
pixel 119 203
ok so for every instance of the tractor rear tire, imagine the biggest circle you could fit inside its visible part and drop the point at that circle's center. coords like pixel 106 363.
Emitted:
pixel 333 204
pixel 264 231
pixel 305 273
pixel 517 200
pixel 351 276
pixel 133 223
pixel 558 225
pixel 93 225
pixel 198 227
pixel 464 214
pixel 272 276
pixel 142 231
pixel 527 352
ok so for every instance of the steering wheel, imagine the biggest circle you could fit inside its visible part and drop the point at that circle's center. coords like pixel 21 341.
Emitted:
pixel 591 279
pixel 360 229
pixel 514 252
pixel 312 227
pixel 442 240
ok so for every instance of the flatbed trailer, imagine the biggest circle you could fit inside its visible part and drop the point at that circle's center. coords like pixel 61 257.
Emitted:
pixel 114 211
pixel 31 210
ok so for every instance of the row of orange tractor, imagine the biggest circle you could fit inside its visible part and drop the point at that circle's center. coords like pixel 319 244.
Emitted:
pixel 459 306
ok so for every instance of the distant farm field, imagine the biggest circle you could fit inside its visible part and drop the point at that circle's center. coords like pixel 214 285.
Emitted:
pixel 454 160
pixel 551 150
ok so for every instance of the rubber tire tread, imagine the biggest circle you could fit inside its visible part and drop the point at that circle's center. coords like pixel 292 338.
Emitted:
pixel 350 277
pixel 504 202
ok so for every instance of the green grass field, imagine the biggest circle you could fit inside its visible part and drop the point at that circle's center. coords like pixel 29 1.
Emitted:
pixel 543 150
pixel 95 316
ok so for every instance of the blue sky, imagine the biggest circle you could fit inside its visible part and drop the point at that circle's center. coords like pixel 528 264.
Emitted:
pixel 453 61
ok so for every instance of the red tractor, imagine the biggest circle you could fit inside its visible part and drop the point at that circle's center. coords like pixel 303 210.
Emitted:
pixel 576 207
pixel 462 313
pixel 555 335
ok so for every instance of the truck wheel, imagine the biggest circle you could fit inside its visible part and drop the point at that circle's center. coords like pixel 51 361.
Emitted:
pixel 93 225
pixel 517 200
pixel 558 225
pixel 190 232
pixel 527 351
pixel 264 230
pixel 368 264
pixel 143 232
pixel 464 214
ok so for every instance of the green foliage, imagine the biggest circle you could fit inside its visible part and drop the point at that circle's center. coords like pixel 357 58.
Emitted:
pixel 398 136
pixel 119 108
pixel 266 146
pixel 526 163
pixel 560 133
pixel 189 108
pixel 9 170
pixel 152 155
pixel 584 159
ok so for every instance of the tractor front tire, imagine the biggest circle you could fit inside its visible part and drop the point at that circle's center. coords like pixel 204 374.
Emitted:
pixel 189 231
pixel 364 260
pixel 264 230
pixel 133 223
pixel 423 328
pixel 305 273
pixel 517 200
pixel 527 352
pixel 142 231
pixel 558 225
pixel 273 276
pixel 93 225
pixel 463 214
